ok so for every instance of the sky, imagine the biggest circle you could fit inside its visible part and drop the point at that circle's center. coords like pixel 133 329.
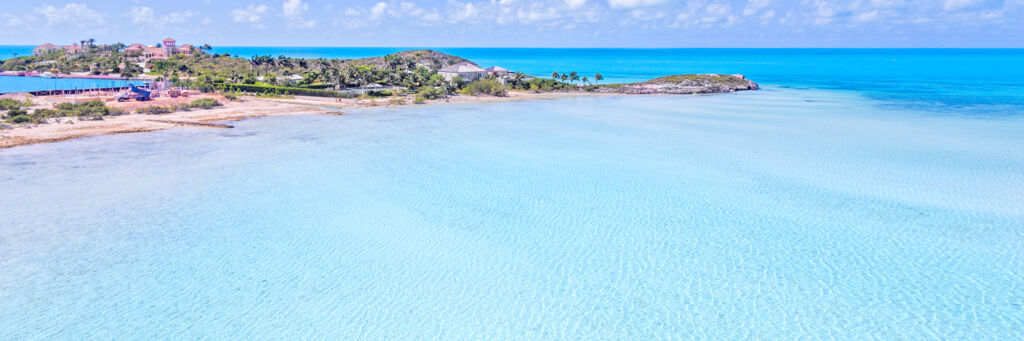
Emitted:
pixel 522 23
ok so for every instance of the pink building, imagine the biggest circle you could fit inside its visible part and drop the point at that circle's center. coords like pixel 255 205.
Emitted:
pixel 154 53
pixel 170 47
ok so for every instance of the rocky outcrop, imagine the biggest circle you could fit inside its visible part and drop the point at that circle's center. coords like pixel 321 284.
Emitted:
pixel 431 59
pixel 683 84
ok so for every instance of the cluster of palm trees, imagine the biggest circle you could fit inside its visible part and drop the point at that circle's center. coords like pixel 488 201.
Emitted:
pixel 391 70
pixel 573 77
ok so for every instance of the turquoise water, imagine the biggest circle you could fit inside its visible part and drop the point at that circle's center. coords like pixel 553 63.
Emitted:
pixel 964 81
pixel 11 51
pixel 21 84
pixel 943 80
pixel 778 214
pixel 862 194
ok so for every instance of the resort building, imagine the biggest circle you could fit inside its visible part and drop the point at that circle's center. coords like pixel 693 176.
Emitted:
pixel 154 53
pixel 45 48
pixel 467 71
pixel 497 71
pixel 136 52
pixel 73 49
pixel 170 47
pixel 135 48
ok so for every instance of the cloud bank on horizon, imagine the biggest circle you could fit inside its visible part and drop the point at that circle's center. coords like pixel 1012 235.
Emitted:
pixel 527 23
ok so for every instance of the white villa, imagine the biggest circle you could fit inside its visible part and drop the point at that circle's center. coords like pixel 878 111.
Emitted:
pixel 497 71
pixel 471 72
pixel 467 71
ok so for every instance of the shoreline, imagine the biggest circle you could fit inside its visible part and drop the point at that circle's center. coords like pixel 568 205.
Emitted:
pixel 71 76
pixel 247 107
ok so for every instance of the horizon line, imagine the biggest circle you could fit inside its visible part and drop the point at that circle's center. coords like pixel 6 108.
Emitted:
pixel 596 47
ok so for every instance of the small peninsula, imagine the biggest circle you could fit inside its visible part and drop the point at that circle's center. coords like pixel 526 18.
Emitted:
pixel 190 85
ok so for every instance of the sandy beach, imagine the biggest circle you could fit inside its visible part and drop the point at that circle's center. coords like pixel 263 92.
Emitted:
pixel 245 107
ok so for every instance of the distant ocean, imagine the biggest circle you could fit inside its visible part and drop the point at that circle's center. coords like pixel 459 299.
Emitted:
pixel 932 79
pixel 860 195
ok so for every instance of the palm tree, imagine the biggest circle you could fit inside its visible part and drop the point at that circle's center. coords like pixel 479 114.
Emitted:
pixel 574 76
pixel 598 77
pixel 130 70
pixel 517 78
pixel 585 80
pixel 554 75
pixel 565 77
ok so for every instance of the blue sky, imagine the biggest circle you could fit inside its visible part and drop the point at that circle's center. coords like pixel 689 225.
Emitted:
pixel 524 23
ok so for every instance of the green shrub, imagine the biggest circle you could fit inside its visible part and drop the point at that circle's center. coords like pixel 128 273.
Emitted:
pixel 205 103
pixel 45 113
pixel 9 104
pixel 430 93
pixel 485 86
pixel 182 107
pixel 153 110
pixel 397 100
pixel 88 108
pixel 263 88
pixel 379 93
pixel 19 119
pixel 419 99
pixel 231 97
pixel 15 112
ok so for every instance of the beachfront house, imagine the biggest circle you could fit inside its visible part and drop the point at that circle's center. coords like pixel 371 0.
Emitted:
pixel 45 48
pixel 497 71
pixel 467 71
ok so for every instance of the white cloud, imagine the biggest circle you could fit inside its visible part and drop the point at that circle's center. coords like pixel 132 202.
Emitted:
pixel 252 15
pixel 645 15
pixel 755 6
pixel 142 15
pixel 79 14
pixel 378 10
pixel 178 17
pixel 575 3
pixel 146 15
pixel 359 17
pixel 7 20
pixel 701 13
pixel 955 5
pixel 294 11
pixel 633 3
pixel 463 12
pixel 537 13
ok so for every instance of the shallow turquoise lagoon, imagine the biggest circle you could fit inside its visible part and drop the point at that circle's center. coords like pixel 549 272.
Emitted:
pixel 777 214
pixel 9 84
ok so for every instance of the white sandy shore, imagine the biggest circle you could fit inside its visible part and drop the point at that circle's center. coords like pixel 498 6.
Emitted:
pixel 247 107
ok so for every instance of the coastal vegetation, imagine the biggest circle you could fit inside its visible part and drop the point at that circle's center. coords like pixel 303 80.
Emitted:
pixel 486 86
pixel 84 110
pixel 402 73
pixel 202 103
pixel 260 88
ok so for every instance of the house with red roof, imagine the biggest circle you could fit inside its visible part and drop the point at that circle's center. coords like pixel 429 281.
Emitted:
pixel 45 48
